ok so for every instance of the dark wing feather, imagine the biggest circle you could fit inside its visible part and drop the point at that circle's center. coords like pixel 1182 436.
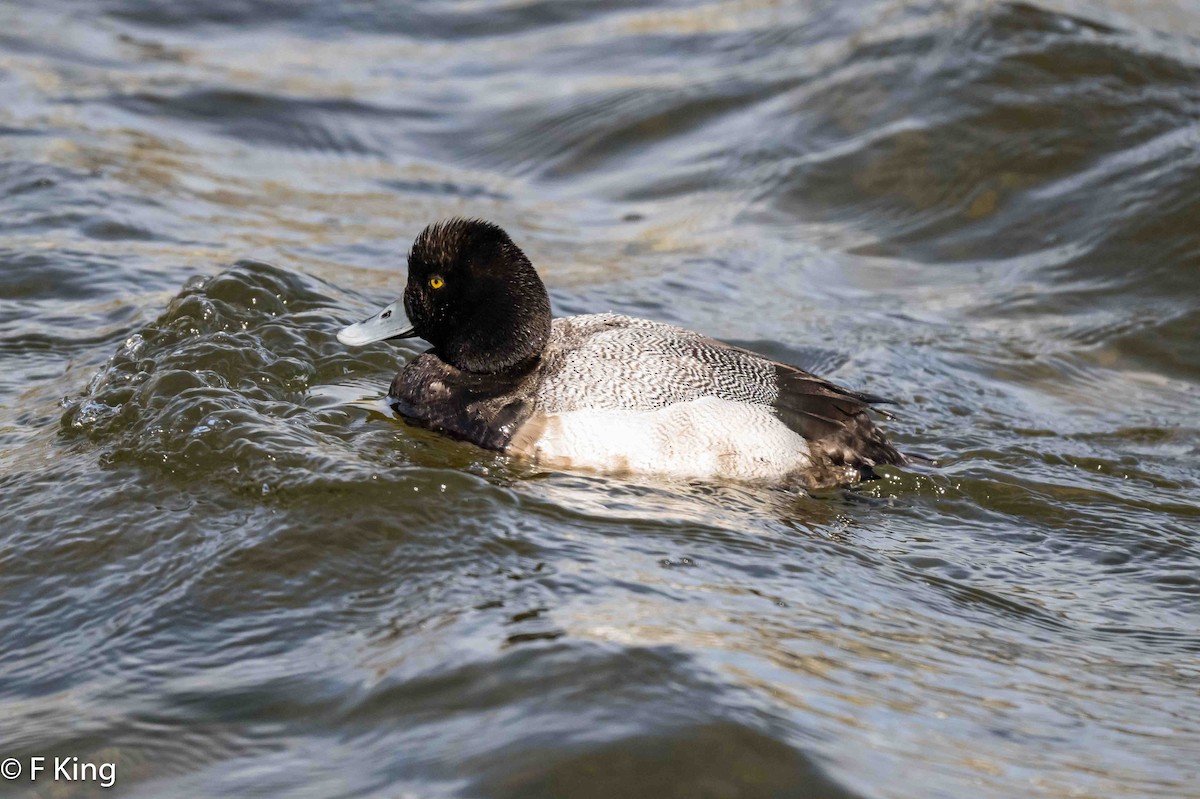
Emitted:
pixel 835 422
pixel 813 407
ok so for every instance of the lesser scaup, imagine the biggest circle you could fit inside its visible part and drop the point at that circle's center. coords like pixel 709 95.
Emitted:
pixel 604 392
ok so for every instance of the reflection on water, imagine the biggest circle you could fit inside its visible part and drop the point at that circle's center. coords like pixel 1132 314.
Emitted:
pixel 227 570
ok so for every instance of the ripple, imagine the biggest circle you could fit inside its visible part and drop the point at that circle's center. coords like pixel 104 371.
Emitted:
pixel 218 381
pixel 335 127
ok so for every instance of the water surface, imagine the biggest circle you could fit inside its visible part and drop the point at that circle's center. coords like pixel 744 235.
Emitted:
pixel 227 570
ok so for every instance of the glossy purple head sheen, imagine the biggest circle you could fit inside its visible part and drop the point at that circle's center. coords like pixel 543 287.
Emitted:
pixel 490 311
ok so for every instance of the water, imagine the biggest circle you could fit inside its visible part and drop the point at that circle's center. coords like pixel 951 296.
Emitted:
pixel 227 571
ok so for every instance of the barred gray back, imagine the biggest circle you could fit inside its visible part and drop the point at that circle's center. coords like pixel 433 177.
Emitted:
pixel 608 362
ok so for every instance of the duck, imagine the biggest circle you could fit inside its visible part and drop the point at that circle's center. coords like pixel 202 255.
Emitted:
pixel 605 392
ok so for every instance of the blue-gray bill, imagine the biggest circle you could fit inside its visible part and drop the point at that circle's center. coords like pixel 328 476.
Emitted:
pixel 389 323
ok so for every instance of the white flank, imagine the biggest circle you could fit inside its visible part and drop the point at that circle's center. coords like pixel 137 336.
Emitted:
pixel 703 439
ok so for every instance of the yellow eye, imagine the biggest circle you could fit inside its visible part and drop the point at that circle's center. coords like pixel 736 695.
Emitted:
pixel 436 282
